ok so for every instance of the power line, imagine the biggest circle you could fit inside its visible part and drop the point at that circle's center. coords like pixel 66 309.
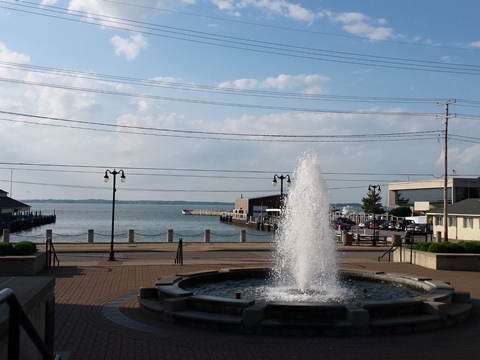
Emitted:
pixel 213 103
pixel 205 88
pixel 249 44
pixel 264 25
pixel 421 135
pixel 271 171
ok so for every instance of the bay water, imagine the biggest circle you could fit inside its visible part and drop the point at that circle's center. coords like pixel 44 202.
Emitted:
pixel 150 223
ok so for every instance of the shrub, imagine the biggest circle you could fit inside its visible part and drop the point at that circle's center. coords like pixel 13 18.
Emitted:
pixel 423 246
pixel 468 247
pixel 25 248
pixel 6 249
pixel 444 247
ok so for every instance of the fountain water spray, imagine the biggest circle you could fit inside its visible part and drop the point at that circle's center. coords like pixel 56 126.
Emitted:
pixel 305 256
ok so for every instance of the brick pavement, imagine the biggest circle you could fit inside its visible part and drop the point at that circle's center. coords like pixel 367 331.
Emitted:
pixel 83 331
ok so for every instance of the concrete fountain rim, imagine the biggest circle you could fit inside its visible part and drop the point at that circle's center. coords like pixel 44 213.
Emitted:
pixel 432 289
pixel 440 306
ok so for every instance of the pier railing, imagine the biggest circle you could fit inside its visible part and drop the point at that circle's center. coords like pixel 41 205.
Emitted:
pixel 131 236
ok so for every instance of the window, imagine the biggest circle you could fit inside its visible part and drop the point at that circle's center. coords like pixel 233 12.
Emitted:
pixel 439 220
pixel 468 222
pixel 452 221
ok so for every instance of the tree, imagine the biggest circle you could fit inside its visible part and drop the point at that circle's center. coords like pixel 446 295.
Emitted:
pixel 372 203
pixel 401 211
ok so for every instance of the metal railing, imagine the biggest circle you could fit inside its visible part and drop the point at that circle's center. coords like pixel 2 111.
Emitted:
pixel 17 318
pixel 51 253
pixel 179 256
pixel 392 249
pixel 409 241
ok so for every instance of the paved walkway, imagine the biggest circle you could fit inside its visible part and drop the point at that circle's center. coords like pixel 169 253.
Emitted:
pixel 97 315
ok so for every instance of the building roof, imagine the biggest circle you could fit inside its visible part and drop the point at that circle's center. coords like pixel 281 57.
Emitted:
pixel 9 204
pixel 464 207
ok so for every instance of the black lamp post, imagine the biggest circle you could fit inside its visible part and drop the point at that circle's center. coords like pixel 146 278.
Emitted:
pixel 281 177
pixel 106 178
pixel 372 189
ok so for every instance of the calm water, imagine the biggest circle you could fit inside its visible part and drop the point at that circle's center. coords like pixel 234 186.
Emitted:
pixel 149 221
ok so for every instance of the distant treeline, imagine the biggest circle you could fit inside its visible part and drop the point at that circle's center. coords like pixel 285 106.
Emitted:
pixel 149 202
pixel 337 206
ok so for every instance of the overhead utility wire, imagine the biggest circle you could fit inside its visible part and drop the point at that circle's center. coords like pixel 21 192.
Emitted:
pixel 206 88
pixel 229 91
pixel 290 28
pixel 326 138
pixel 308 140
pixel 209 102
pixel 138 189
pixel 201 170
pixel 260 46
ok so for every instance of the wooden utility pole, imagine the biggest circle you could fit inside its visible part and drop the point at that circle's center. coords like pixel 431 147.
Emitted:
pixel 445 168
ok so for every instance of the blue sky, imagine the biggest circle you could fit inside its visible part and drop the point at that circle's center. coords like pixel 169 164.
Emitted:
pixel 206 100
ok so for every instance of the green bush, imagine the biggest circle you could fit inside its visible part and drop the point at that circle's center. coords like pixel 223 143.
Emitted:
pixel 25 248
pixel 444 247
pixel 6 249
pixel 468 247
pixel 422 246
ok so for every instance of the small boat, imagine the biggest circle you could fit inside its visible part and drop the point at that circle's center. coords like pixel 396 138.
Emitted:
pixel 186 212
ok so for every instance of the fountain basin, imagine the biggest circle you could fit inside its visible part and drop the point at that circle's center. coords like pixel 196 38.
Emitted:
pixel 437 307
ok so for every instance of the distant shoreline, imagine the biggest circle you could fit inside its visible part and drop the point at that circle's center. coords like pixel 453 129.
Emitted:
pixel 339 206
pixel 146 202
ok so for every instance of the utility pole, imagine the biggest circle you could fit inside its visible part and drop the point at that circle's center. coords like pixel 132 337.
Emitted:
pixel 445 167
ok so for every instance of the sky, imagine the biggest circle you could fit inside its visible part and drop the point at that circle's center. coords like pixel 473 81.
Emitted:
pixel 207 100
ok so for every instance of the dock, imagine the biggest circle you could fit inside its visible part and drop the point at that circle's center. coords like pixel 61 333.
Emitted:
pixel 24 221
pixel 203 212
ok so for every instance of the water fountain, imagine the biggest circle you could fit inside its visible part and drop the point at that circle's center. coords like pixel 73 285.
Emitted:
pixel 305 255
pixel 305 293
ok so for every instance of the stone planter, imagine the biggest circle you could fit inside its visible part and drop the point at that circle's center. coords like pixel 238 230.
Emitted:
pixel 462 262
pixel 22 265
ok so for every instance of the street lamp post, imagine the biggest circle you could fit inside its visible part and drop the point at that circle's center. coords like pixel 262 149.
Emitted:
pixel 372 189
pixel 281 177
pixel 106 178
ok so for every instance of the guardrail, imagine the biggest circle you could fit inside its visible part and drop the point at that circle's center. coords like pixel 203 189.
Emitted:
pixel 17 318
pixel 179 256
pixel 51 253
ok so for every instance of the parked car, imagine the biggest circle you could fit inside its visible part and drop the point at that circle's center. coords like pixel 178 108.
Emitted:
pixel 423 229
pixel 401 224
pixel 410 228
pixel 374 224
pixel 336 224
pixel 347 221
pixel 384 225
pixel 391 224
pixel 364 224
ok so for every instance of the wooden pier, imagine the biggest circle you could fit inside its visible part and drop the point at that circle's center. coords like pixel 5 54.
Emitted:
pixel 203 212
pixel 24 221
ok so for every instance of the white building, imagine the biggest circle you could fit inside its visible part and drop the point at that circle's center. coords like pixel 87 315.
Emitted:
pixel 463 220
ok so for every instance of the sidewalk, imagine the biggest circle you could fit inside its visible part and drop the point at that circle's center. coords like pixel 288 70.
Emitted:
pixel 97 316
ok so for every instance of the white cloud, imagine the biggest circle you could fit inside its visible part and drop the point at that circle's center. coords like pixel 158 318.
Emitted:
pixel 474 44
pixel 463 158
pixel 240 84
pixel 140 8
pixel 48 2
pixel 308 83
pixel 12 56
pixel 277 7
pixel 362 25
pixel 143 106
pixel 129 47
